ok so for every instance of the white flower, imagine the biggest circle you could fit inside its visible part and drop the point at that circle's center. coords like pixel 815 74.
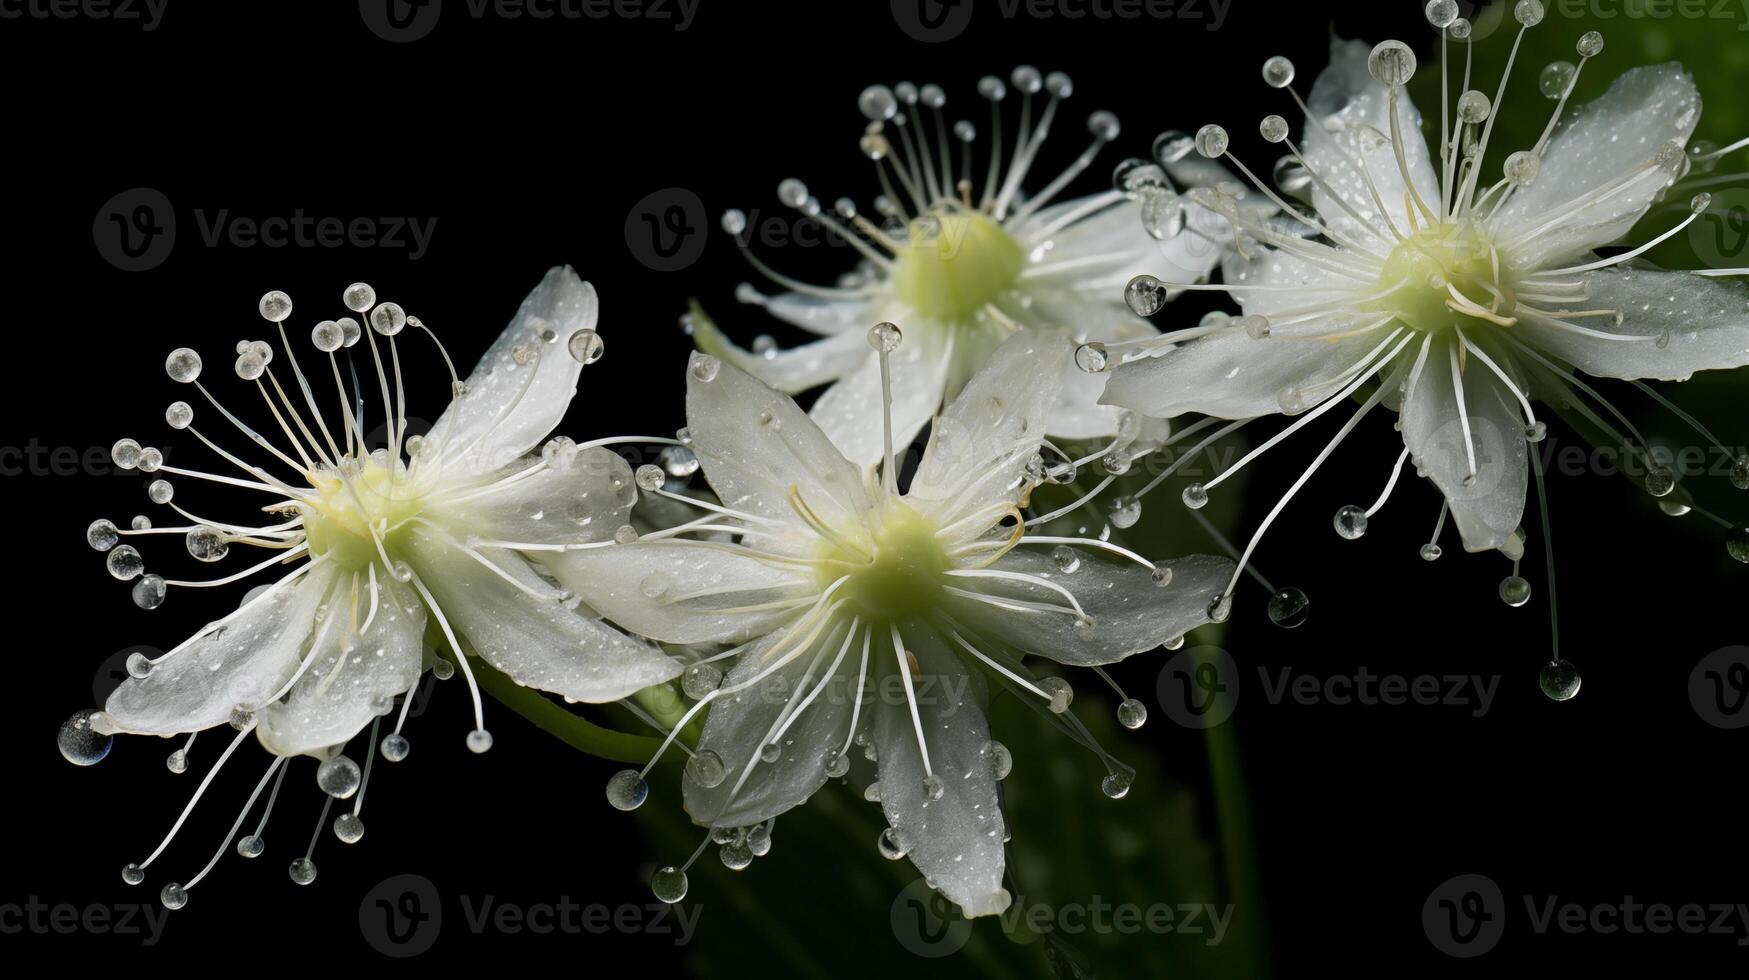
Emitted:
pixel 1463 301
pixel 868 616
pixel 963 258
pixel 424 530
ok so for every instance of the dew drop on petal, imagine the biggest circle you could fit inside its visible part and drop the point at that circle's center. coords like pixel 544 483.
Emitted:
pixel 837 764
pixel 705 768
pixel 1001 760
pixel 933 788
pixel 1065 558
pixel 1125 512
pixel 1559 679
pixel 586 346
pixel 889 846
pixel 703 367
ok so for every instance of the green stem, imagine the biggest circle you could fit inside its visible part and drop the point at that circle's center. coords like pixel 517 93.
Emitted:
pixel 1238 848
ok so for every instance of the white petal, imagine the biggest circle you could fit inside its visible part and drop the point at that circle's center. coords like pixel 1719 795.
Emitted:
pixel 849 412
pixel 509 407
pixel 353 674
pixel 1100 253
pixel 245 661
pixel 1130 611
pixel 979 448
pixel 584 500
pixel 743 723
pixel 956 841
pixel 794 370
pixel 1489 509
pixel 1350 112
pixel 754 444
pixel 1707 320
pixel 539 643
pixel 1596 145
pixel 701 590
pixel 820 315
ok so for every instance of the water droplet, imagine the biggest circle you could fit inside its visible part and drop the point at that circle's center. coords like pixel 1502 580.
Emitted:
pixel 1289 607
pixel 736 855
pixel 1737 542
pixel 359 297
pixel 1132 714
pixel 885 337
pixel 1431 552
pixel 627 790
pixel 339 777
pixel 889 846
pixel 655 585
pixel 1090 357
pixel 1125 512
pixel 1473 107
pixel 1196 496
pixel 125 453
pixel 703 367
pixel 349 828
pixel 1278 72
pixel 770 752
pixel 1555 77
pixel 837 764
pixel 124 562
pixel 132 873
pixel 250 846
pixel 1065 558
pixel 395 747
pixel 302 871
pixel 1059 692
pixel 79 743
pixel 479 741
pixel 872 792
pixel 1391 63
pixel 625 534
pixel 1350 522
pixel 586 346
pixel 705 768
pixel 1219 610
pixel 177 761
pixel 1660 481
pixel 700 680
pixel 1162 574
pixel 1273 128
pixel 1001 760
pixel 174 896
pixel 1440 13
pixel 1211 141
pixel 759 840
pixel 206 543
pixel 388 319
pixel 1559 679
pixel 183 365
pixel 1528 12
pixel 933 788
pixel 1145 295
pixel 102 535
pixel 1115 785
pixel 668 884
pixel 1514 590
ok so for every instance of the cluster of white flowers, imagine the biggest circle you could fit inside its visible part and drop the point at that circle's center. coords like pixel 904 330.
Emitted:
pixel 823 609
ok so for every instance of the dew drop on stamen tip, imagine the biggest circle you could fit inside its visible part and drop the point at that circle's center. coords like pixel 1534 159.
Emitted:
pixel 1431 552
pixel 124 562
pixel 1195 496
pixel 1132 714
pixel 149 592
pixel 668 884
pixel 339 777
pixel 102 535
pixel 1278 72
pixel 1115 785
pixel 1220 609
pixel 735 855
pixel 479 741
pixel 1514 590
pixel 1059 692
pixel 1660 481
pixel 349 828
pixel 302 871
pixel 1559 679
pixel 1211 141
pixel 79 741
pixel 250 846
pixel 1001 760
pixel 173 895
pixel 1091 358
pixel 1350 522
pixel 1289 608
pixel 699 680
pixel 770 752
pixel 1145 295
pixel 1555 77
pixel 627 790
pixel 1737 542
pixel 177 761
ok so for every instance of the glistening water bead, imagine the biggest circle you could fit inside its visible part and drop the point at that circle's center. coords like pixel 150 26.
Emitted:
pixel 627 790
pixel 79 743
pixel 339 777
pixel 1559 680
pixel 668 884
pixel 1289 608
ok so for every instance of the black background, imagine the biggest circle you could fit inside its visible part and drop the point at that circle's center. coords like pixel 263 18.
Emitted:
pixel 530 143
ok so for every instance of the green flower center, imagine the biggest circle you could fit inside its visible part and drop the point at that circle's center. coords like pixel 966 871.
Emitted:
pixel 951 274
pixel 338 526
pixel 905 574
pixel 1444 277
